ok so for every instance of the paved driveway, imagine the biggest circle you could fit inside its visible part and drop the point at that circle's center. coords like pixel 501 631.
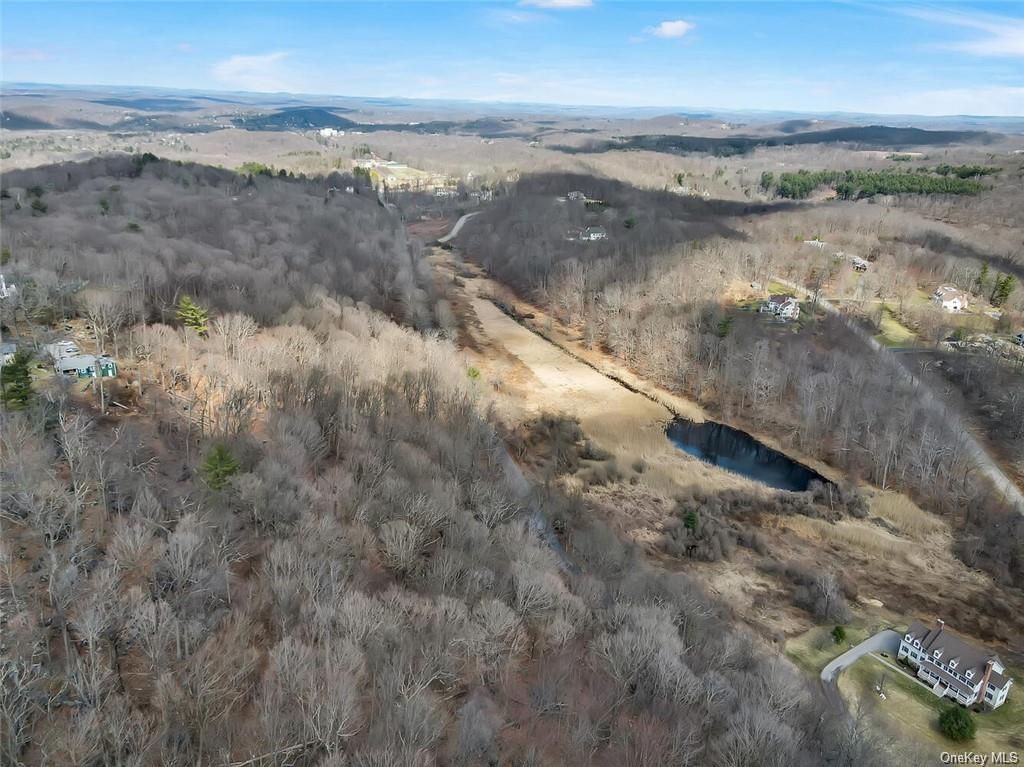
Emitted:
pixel 457 228
pixel 886 640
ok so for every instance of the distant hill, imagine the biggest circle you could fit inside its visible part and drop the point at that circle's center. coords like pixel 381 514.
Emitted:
pixel 295 118
pixel 152 104
pixel 15 121
pixel 875 136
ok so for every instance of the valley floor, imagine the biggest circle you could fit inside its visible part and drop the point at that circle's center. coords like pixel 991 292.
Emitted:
pixel 898 574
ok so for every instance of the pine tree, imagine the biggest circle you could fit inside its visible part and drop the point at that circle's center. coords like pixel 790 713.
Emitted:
pixel 219 467
pixel 1004 287
pixel 16 381
pixel 192 315
pixel 981 280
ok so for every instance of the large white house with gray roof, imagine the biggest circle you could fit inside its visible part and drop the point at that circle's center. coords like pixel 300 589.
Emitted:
pixel 953 667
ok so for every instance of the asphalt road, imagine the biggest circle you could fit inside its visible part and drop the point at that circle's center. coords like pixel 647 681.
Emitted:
pixel 885 640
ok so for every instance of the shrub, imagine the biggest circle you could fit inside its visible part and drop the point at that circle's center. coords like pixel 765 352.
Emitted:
pixel 838 635
pixel 219 466
pixel 957 723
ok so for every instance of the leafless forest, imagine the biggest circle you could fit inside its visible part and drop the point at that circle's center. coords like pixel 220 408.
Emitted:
pixel 362 583
pixel 658 307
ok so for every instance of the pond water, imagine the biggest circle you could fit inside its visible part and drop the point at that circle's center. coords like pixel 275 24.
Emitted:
pixel 738 452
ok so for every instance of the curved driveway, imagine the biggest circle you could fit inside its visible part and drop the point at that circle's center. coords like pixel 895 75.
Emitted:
pixel 457 228
pixel 885 640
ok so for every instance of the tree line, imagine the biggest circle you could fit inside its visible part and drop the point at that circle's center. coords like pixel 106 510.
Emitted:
pixel 857 184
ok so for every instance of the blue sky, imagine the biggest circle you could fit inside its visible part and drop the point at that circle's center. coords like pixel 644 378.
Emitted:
pixel 938 58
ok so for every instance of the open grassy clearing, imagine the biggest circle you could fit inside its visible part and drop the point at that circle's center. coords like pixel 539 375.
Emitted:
pixel 893 333
pixel 915 710
pixel 814 649
pixel 905 515
pixel 852 534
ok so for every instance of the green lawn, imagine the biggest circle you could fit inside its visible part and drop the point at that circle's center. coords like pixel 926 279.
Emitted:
pixel 893 333
pixel 915 710
pixel 909 708
pixel 812 650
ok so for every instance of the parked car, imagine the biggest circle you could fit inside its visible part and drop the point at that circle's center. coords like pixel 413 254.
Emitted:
pixel 1020 338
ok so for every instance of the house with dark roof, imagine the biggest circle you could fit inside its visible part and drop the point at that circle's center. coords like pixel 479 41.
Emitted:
pixel 953 667
pixel 784 307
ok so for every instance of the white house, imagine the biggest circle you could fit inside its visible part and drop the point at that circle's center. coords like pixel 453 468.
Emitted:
pixel 576 196
pixel 592 233
pixel 859 264
pixel 950 298
pixel 7 351
pixel 816 243
pixel 954 668
pixel 783 307
pixel 7 291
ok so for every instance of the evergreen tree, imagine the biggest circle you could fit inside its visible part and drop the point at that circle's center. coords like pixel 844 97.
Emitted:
pixel 192 315
pixel 1004 287
pixel 219 467
pixel 981 280
pixel 16 381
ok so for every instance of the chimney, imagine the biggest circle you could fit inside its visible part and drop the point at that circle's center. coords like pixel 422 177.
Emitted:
pixel 984 682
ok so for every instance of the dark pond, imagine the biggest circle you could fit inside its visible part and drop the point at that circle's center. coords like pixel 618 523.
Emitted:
pixel 738 452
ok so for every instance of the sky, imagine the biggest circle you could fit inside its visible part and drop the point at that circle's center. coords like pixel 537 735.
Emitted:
pixel 886 58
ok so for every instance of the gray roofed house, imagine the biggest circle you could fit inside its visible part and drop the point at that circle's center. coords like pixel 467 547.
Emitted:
pixel 953 667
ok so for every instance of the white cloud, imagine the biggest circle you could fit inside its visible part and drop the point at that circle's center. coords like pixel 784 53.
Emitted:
pixel 504 17
pixel 1003 35
pixel 670 30
pixel 26 54
pixel 254 73
pixel 558 3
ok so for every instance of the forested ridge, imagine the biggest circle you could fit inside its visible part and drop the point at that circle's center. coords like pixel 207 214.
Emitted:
pixel 304 547
pixel 157 230
pixel 727 146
